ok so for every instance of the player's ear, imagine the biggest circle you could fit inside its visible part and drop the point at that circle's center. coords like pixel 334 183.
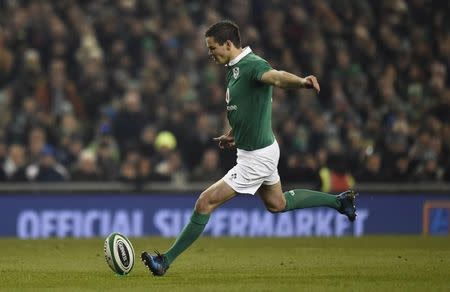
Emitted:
pixel 229 44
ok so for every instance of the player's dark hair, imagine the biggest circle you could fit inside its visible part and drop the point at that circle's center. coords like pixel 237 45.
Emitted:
pixel 225 30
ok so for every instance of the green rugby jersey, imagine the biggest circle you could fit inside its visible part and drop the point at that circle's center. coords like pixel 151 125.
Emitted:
pixel 249 101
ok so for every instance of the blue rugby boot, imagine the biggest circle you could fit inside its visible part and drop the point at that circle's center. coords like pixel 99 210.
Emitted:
pixel 156 264
pixel 347 200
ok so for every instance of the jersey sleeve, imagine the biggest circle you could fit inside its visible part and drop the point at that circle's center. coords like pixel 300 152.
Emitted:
pixel 259 68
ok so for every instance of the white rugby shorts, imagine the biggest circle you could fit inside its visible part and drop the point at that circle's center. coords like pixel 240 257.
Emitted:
pixel 253 169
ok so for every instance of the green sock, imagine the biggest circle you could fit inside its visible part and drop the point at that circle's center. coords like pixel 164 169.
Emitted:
pixel 301 198
pixel 188 235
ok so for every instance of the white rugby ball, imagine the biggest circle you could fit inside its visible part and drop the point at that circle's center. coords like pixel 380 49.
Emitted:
pixel 119 253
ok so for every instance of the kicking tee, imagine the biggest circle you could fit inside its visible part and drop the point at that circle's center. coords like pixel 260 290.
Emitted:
pixel 249 101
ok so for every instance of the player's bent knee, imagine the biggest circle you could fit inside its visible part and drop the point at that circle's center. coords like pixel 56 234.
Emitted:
pixel 275 209
pixel 203 204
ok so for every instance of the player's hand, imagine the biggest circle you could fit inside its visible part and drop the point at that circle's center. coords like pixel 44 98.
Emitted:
pixel 311 82
pixel 226 141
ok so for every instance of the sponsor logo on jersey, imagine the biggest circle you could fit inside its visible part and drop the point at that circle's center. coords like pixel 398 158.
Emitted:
pixel 227 96
pixel 236 72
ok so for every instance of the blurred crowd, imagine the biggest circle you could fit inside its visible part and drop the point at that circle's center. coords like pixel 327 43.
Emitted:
pixel 102 90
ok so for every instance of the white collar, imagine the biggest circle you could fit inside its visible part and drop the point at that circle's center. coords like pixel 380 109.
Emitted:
pixel 239 57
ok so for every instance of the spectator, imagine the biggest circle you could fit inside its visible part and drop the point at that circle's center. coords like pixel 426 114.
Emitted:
pixel 109 165
pixel 128 172
pixel 7 59
pixel 87 168
pixel 428 170
pixel 334 177
pixel 301 167
pixel 37 139
pixel 209 169
pixel 202 138
pixel 59 94
pixel 29 77
pixel 371 171
pixel 401 171
pixel 130 120
pixel 71 147
pixel 147 173
pixel 147 141
pixel 47 169
pixel 14 165
pixel 172 168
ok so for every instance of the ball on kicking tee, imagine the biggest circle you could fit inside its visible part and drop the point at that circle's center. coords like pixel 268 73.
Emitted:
pixel 119 253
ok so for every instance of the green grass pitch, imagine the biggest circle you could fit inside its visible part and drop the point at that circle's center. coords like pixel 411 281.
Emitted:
pixel 381 263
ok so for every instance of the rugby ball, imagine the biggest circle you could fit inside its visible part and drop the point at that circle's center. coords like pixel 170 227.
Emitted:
pixel 119 253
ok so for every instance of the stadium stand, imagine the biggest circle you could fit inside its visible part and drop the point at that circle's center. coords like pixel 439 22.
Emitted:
pixel 124 91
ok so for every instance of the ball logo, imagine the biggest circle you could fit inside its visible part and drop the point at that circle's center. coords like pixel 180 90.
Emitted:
pixel 124 256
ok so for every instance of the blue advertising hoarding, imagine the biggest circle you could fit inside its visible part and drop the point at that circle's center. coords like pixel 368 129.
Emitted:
pixel 88 215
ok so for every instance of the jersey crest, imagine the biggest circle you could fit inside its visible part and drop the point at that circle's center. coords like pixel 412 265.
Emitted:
pixel 235 72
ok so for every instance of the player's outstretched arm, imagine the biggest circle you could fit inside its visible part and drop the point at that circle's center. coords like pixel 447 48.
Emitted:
pixel 287 80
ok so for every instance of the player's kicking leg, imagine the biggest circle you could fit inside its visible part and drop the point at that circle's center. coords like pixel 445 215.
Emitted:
pixel 277 201
pixel 213 197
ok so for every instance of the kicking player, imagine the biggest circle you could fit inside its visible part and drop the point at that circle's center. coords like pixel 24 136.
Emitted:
pixel 249 106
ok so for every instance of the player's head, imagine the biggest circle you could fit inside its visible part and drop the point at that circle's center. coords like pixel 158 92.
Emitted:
pixel 222 39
